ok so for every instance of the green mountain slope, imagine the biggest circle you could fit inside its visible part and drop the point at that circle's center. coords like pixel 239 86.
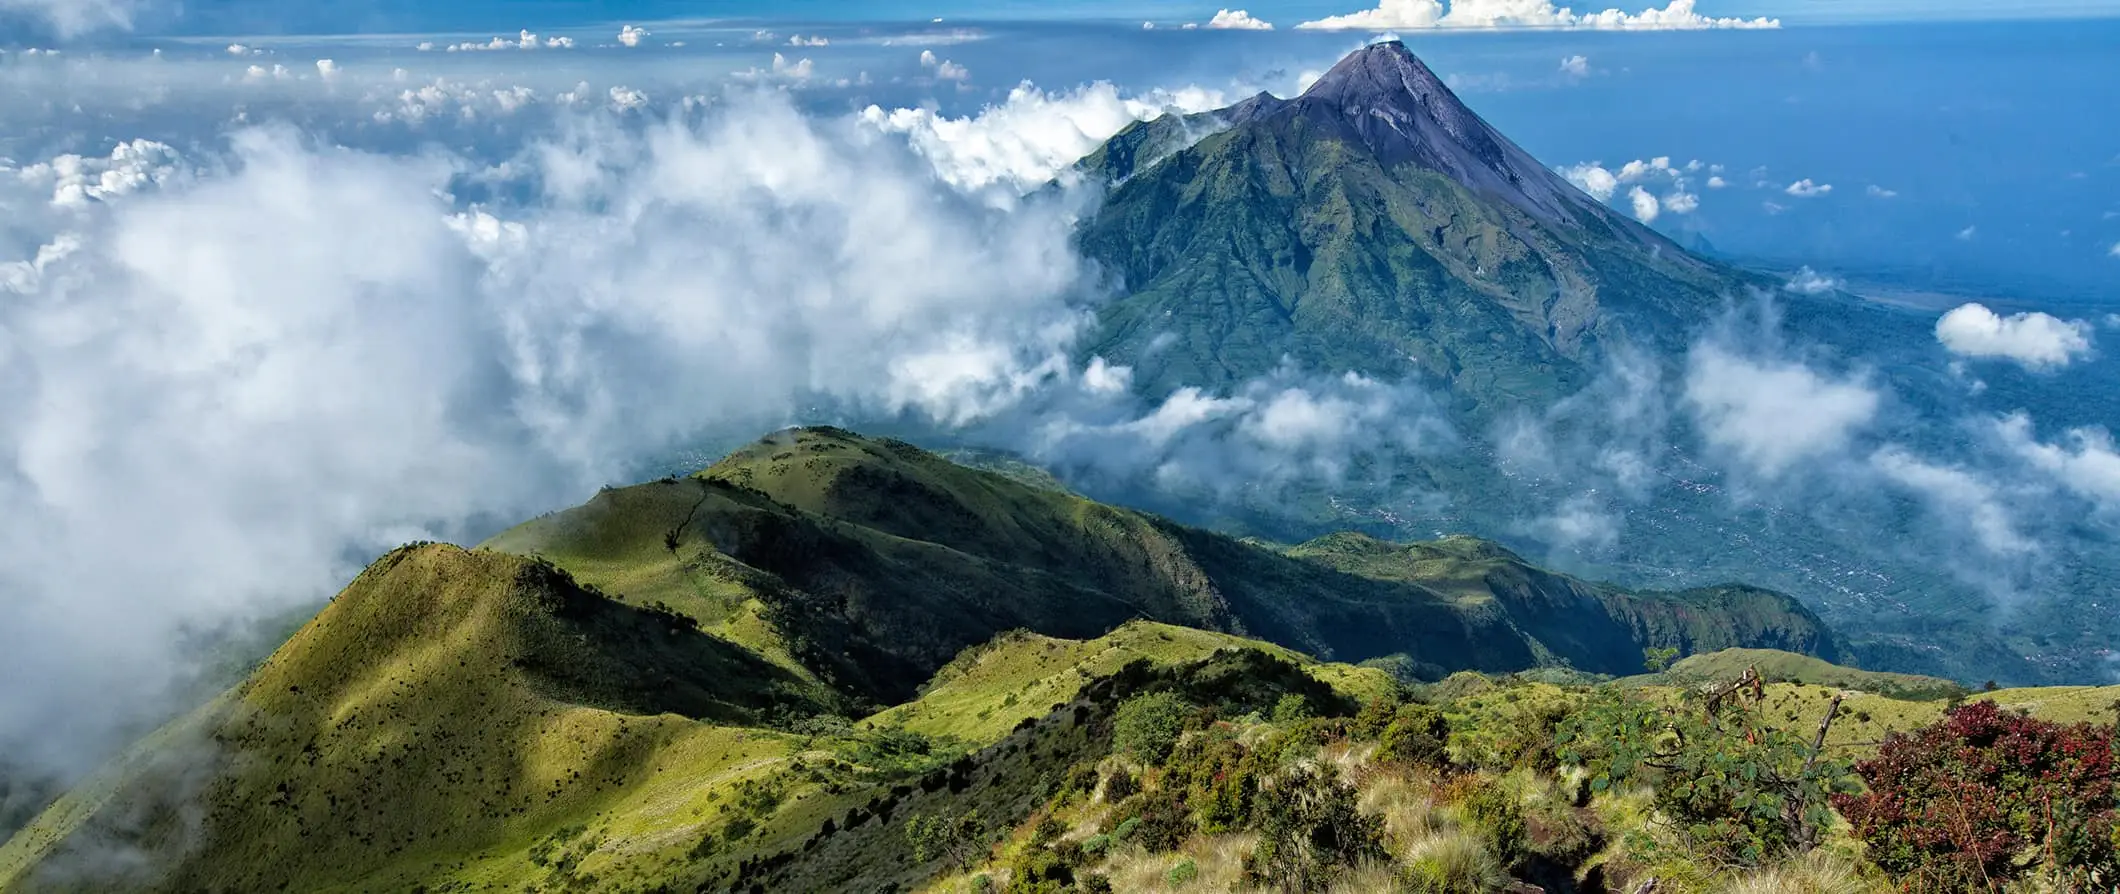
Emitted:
pixel 867 564
pixel 473 721
pixel 662 684
pixel 1783 667
pixel 1373 224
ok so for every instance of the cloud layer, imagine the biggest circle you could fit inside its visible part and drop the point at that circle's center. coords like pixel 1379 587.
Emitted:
pixel 1678 15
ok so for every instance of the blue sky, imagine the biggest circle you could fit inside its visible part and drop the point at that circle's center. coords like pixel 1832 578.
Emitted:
pixel 383 16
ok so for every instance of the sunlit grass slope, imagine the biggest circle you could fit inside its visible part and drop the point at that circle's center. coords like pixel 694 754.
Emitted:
pixel 867 564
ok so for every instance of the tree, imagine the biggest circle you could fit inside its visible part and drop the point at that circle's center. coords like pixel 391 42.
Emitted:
pixel 1732 786
pixel 1147 727
pixel 956 840
pixel 1658 659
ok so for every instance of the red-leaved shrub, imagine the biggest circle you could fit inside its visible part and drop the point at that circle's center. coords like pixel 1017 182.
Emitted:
pixel 1985 796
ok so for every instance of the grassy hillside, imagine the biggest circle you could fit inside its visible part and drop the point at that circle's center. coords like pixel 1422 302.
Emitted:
pixel 1786 667
pixel 475 720
pixel 472 720
pixel 867 564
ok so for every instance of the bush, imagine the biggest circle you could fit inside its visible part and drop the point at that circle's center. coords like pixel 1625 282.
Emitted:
pixel 1185 870
pixel 1418 736
pixel 1147 727
pixel 1291 709
pixel 955 840
pixel 1119 785
pixel 1985 796
pixel 1737 790
pixel 1310 832
pixel 1497 816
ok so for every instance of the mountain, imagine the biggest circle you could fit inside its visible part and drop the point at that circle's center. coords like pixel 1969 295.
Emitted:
pixel 1376 224
pixel 645 664
pixel 867 564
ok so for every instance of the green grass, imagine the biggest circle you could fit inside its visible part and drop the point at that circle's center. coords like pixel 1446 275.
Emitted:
pixel 611 691
pixel 1786 667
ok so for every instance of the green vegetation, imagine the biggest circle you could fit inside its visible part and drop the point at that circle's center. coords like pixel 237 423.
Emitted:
pixel 582 706
pixel 1786 667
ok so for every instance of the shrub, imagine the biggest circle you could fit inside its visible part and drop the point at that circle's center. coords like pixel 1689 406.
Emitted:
pixel 1736 789
pixel 1184 871
pixel 1147 727
pixel 1157 820
pixel 1497 816
pixel 1418 736
pixel 1985 796
pixel 1291 709
pixel 1310 832
pixel 955 840
pixel 1119 785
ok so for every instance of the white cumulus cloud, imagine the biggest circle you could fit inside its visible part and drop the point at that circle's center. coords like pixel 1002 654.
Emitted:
pixel 1678 15
pixel 1805 189
pixel 2034 340
pixel 1811 282
pixel 632 35
pixel 1238 20
pixel 1033 136
pixel 1646 208
pixel 1577 66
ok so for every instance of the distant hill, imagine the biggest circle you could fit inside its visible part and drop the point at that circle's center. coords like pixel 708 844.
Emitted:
pixel 1784 667
pixel 866 564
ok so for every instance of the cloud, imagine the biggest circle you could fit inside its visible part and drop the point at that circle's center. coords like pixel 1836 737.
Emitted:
pixel 1270 432
pixel 1810 282
pixel 1646 207
pixel 1238 20
pixel 1879 192
pixel 1957 495
pixel 782 69
pixel 944 69
pixel 632 35
pixel 2086 464
pixel 1033 136
pixel 817 41
pixel 1717 182
pixel 69 19
pixel 230 386
pixel 1603 183
pixel 523 40
pixel 327 69
pixel 1594 179
pixel 1577 66
pixel 1967 234
pixel 2033 340
pixel 76 182
pixel 2115 252
pixel 1773 414
pixel 1805 189
pixel 1389 15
